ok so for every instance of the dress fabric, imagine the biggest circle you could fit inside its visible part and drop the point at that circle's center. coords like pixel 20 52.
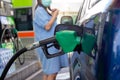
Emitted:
pixel 52 65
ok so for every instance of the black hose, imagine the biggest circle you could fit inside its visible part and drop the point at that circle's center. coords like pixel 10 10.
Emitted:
pixel 21 61
pixel 17 47
pixel 8 65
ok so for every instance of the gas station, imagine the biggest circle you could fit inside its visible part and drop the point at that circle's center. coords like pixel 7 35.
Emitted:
pixel 88 31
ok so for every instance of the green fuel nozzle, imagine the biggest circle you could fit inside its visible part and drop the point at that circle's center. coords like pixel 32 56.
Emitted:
pixel 68 40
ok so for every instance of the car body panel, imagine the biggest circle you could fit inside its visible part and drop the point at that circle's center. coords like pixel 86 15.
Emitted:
pixel 94 17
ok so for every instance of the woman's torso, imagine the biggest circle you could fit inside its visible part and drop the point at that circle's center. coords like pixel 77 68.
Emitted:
pixel 41 18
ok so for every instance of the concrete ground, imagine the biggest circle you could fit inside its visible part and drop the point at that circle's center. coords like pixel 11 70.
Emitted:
pixel 29 56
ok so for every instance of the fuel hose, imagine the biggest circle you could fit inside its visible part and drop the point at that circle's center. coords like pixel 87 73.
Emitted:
pixel 3 75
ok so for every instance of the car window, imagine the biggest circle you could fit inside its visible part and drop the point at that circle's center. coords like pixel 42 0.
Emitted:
pixel 93 2
pixel 85 9
pixel 80 10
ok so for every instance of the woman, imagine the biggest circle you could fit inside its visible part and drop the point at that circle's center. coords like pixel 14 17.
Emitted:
pixel 44 23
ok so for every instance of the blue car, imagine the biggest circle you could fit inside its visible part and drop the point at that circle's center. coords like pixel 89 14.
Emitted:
pixel 103 63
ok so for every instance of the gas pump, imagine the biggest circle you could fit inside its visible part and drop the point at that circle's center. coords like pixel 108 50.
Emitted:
pixel 8 36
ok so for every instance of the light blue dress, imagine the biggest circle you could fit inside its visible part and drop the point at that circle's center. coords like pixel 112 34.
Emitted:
pixel 52 65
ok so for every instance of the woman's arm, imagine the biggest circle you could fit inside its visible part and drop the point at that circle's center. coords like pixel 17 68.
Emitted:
pixel 52 20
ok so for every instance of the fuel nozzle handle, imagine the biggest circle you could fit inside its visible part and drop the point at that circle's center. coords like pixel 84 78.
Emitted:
pixel 44 45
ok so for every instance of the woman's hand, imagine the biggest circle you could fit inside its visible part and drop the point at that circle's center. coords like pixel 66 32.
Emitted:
pixel 53 10
pixel 55 13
